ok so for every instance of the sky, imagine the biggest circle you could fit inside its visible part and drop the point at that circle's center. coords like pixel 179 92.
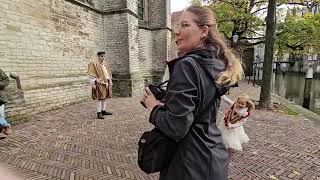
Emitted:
pixel 178 5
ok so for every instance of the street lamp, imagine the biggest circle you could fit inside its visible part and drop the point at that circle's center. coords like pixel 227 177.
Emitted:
pixel 235 38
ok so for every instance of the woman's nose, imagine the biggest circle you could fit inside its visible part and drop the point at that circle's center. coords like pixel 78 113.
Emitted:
pixel 176 32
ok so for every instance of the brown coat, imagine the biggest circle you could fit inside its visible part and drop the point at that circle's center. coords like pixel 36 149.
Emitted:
pixel 103 75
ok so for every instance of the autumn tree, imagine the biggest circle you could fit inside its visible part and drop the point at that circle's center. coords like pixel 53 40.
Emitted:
pixel 245 18
pixel 291 34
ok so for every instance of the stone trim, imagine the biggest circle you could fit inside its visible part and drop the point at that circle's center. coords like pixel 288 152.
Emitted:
pixel 118 11
pixel 126 76
pixel 58 76
pixel 53 85
pixel 76 2
pixel 155 29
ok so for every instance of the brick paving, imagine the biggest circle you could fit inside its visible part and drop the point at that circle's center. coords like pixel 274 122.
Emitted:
pixel 70 143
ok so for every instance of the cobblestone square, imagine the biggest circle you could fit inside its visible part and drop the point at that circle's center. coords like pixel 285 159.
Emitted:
pixel 70 143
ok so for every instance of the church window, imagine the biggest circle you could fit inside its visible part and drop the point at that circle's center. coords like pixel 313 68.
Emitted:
pixel 143 10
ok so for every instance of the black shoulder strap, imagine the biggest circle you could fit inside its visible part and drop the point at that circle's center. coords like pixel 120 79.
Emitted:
pixel 221 89
pixel 198 66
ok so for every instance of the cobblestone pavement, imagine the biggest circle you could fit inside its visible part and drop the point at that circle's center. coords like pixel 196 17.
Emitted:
pixel 70 143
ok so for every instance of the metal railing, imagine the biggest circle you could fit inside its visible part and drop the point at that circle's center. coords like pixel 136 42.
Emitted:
pixel 256 75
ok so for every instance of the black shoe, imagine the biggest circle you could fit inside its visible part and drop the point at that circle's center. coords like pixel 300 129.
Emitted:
pixel 106 113
pixel 99 115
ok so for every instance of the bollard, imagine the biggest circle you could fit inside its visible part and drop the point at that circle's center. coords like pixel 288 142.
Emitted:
pixel 307 88
pixel 258 78
pixel 254 74
pixel 278 68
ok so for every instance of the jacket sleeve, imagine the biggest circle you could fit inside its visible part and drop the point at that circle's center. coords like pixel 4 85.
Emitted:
pixel 177 115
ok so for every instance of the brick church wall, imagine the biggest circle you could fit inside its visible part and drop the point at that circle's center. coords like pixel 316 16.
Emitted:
pixel 48 44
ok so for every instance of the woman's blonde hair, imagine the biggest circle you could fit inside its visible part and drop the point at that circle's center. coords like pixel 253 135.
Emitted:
pixel 233 71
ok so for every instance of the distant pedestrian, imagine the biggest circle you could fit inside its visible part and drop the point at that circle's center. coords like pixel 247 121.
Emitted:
pixel 101 83
pixel 4 125
pixel 231 127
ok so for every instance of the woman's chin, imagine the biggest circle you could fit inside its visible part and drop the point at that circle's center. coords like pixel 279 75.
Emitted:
pixel 181 49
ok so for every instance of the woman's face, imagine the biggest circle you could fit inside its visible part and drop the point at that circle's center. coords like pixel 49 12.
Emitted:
pixel 188 34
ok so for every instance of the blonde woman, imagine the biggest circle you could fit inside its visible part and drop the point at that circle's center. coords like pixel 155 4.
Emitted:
pixel 192 99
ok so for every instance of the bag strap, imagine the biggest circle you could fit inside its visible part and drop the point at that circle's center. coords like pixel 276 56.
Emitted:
pixel 195 58
pixel 161 84
pixel 220 90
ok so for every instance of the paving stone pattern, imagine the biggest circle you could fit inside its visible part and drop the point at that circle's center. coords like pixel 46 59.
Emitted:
pixel 70 143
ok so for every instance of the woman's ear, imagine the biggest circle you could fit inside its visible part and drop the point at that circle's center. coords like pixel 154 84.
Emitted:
pixel 205 31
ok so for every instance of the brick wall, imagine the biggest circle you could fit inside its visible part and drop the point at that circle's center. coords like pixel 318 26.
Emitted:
pixel 159 53
pixel 158 14
pixel 49 43
pixel 153 50
pixel 145 51
pixel 132 6
pixel 135 67
pixel 111 5
pixel 116 41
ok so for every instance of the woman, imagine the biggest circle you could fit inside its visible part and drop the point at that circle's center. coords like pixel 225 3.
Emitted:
pixel 193 97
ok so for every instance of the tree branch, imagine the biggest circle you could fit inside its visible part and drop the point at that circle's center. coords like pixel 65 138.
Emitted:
pixel 296 3
pixel 253 44
pixel 258 2
pixel 255 32
pixel 225 35
pixel 300 43
pixel 227 2
pixel 263 9
pixel 252 38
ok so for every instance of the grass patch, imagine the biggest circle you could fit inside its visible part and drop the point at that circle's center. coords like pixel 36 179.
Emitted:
pixel 288 111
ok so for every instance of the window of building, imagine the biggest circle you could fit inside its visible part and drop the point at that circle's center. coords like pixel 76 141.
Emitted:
pixel 143 10
pixel 90 2
pixel 140 9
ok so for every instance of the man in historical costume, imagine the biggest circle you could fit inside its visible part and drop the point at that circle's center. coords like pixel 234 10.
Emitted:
pixel 101 82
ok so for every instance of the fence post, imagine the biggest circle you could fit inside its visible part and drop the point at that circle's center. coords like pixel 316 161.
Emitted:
pixel 254 75
pixel 307 87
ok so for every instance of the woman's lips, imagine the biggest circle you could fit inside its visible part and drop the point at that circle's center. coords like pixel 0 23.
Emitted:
pixel 178 41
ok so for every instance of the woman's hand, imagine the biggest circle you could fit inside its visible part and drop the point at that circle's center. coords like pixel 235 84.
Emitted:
pixel 149 100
